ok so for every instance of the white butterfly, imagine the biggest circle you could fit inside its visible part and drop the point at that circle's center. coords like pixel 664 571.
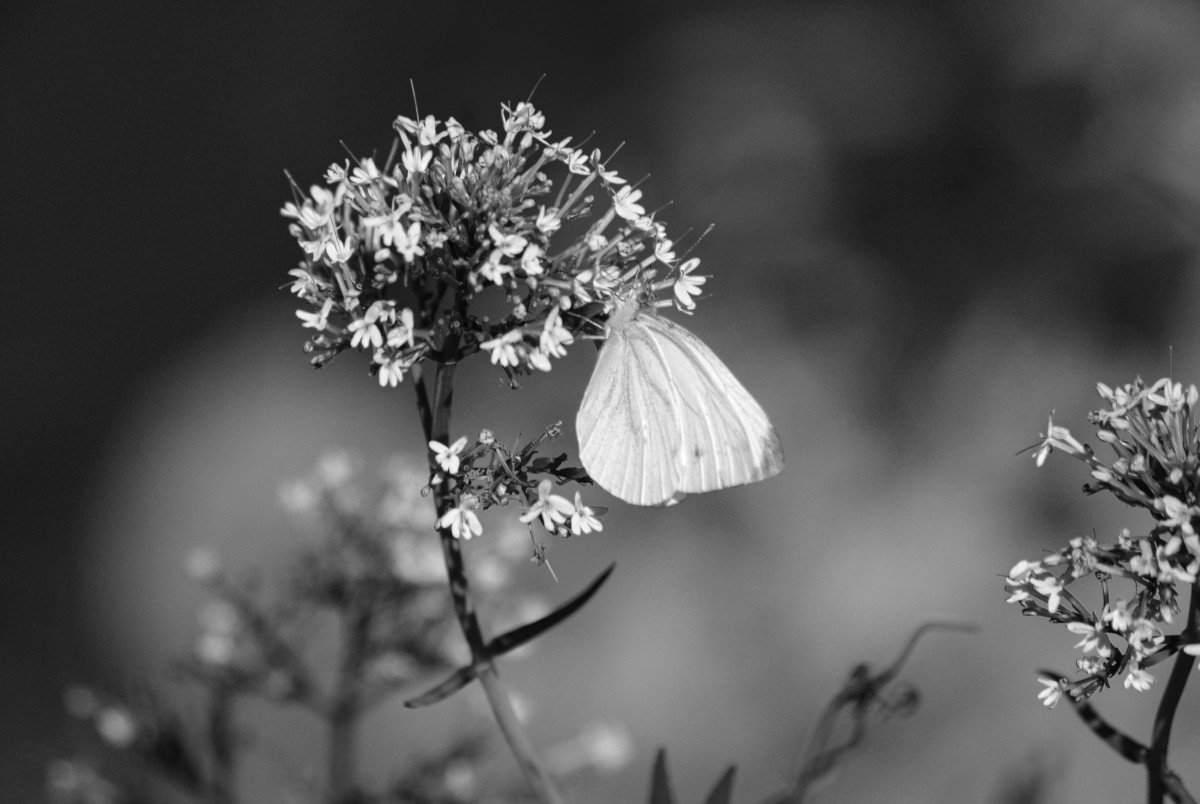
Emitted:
pixel 662 417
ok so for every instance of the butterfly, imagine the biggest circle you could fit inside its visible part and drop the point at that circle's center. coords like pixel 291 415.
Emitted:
pixel 662 417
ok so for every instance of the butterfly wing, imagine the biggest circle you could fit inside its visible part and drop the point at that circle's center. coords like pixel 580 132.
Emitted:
pixel 662 415
pixel 623 434
pixel 725 438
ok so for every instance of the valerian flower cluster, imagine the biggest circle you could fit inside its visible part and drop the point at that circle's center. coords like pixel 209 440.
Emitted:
pixel 505 243
pixel 401 258
pixel 1153 436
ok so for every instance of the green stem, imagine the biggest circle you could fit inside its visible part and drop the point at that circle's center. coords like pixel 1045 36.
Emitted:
pixel 436 418
pixel 1156 758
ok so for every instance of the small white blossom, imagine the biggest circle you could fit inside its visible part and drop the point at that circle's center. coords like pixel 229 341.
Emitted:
pixel 625 203
pixel 462 522
pixel 1138 679
pixel 448 457
pixel 584 519
pixel 1053 691
pixel 503 349
pixel 318 320
pixel 552 508
pixel 687 286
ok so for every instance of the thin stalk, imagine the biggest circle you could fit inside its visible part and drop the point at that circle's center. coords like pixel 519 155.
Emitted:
pixel 221 745
pixel 1156 759
pixel 436 418
pixel 345 707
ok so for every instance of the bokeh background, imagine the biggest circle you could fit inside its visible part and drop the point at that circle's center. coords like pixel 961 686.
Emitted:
pixel 935 222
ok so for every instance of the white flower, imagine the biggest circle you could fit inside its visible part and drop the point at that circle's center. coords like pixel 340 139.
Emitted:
pixel 415 160
pixel 548 221
pixel 554 336
pixel 552 508
pixel 687 286
pixel 584 519
pixel 625 204
pixel 448 457
pixel 503 349
pixel 366 329
pixel 318 320
pixel 664 250
pixel 462 522
pixel 391 369
pixel 365 173
pixel 530 261
pixel 510 245
pixel 1138 679
pixel 1052 693
pixel 1059 438
pixel 577 162
pixel 1051 588
pixel 408 242
pixel 338 251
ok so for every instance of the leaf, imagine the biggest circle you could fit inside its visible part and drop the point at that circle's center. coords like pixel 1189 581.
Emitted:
pixel 722 793
pixel 459 679
pixel 660 785
pixel 519 636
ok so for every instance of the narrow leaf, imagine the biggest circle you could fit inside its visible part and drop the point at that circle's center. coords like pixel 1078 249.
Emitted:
pixel 1120 742
pixel 660 784
pixel 723 792
pixel 459 679
pixel 519 636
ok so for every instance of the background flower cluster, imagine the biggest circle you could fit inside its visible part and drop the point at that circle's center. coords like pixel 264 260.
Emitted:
pixel 1152 434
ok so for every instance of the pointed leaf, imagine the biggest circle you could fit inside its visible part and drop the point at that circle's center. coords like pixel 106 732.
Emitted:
pixel 723 792
pixel 519 636
pixel 459 679
pixel 1118 740
pixel 660 785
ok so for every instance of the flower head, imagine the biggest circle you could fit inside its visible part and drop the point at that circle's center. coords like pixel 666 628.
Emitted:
pixel 467 214
pixel 1155 466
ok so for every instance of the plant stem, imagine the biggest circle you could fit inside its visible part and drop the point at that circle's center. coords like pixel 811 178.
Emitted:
pixel 436 419
pixel 345 706
pixel 1156 758
pixel 221 745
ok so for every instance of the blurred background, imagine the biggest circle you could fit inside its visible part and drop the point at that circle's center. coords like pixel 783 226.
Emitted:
pixel 935 222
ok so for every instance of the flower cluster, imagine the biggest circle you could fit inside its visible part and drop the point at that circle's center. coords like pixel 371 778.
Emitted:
pixel 1156 466
pixel 488 474
pixel 460 245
